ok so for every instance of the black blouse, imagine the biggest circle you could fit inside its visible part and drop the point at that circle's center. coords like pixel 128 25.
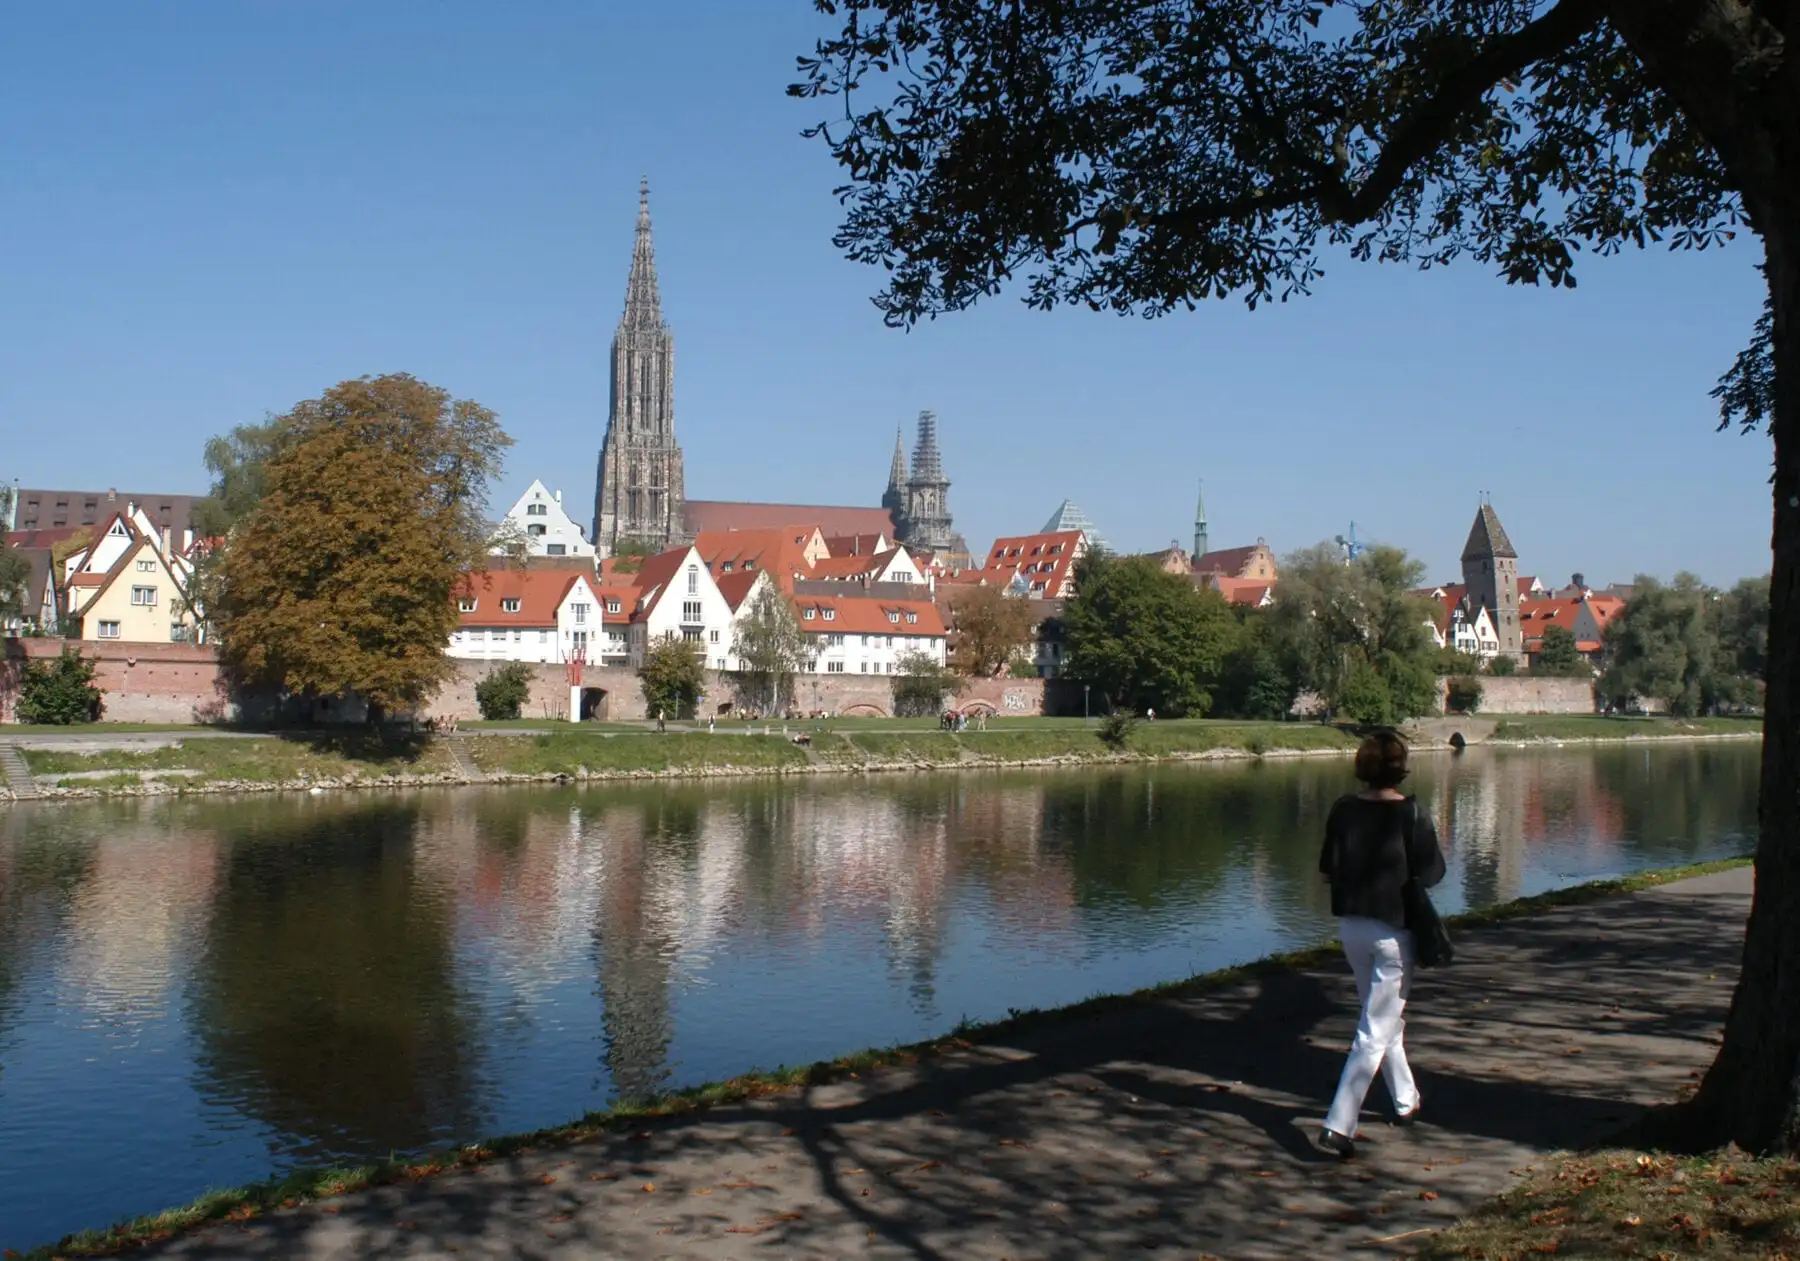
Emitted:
pixel 1371 848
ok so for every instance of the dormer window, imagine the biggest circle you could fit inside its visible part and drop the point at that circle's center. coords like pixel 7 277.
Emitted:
pixel 612 606
pixel 893 616
pixel 1056 549
pixel 809 614
pixel 465 605
pixel 831 615
pixel 510 604
pixel 726 567
pixel 912 617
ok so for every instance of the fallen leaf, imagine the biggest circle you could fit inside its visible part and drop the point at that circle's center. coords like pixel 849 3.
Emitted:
pixel 1428 1195
pixel 1631 1219
pixel 1265 1173
pixel 560 1217
pixel 742 1230
pixel 787 1133
pixel 545 1180
pixel 649 1186
pixel 603 1177
pixel 703 1190
pixel 866 1191
pixel 780 1217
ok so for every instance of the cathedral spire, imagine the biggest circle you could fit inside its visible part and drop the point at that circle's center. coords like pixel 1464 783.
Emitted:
pixel 897 472
pixel 1200 548
pixel 643 301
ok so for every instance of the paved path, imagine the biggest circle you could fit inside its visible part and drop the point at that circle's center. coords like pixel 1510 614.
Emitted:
pixel 1181 1129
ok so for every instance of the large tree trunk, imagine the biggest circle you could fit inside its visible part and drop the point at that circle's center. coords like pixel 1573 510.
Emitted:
pixel 1752 1094
pixel 1726 63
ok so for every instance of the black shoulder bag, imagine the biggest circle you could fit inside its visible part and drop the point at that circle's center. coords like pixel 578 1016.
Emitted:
pixel 1431 941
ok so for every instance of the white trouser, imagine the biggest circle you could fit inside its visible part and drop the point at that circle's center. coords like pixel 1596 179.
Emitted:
pixel 1381 956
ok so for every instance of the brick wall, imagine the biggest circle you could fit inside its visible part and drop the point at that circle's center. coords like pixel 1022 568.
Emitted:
pixel 1521 694
pixel 183 683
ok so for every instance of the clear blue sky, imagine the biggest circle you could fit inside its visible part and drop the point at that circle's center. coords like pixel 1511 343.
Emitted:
pixel 210 210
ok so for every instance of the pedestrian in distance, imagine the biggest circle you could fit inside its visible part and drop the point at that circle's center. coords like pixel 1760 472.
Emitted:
pixel 1376 841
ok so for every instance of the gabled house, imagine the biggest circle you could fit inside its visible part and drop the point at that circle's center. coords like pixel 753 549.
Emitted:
pixel 789 552
pixel 142 598
pixel 1586 619
pixel 1254 562
pixel 860 635
pixel 677 596
pixel 1253 592
pixel 540 615
pixel 1042 564
pixel 538 525
pixel 1460 624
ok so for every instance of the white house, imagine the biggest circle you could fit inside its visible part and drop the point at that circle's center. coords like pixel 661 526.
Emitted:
pixel 678 596
pixel 540 524
pixel 540 615
pixel 862 634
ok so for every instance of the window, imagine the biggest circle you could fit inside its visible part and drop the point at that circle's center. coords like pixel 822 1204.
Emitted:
pixel 693 580
pixel 690 612
pixel 865 667
pixel 834 667
pixel 465 605
pixel 690 634
pixel 535 530
pixel 536 510
pixel 146 566
pixel 1056 549
pixel 580 611
pixel 727 567
pixel 713 637
pixel 893 615
pixel 510 604
pixel 831 615
pixel 109 630
pixel 834 641
pixel 556 549
pixel 809 614
pixel 496 634
pixel 912 617
pixel 719 664
pixel 178 633
pixel 749 565
pixel 612 606
pixel 579 639
pixel 144 596
pixel 543 637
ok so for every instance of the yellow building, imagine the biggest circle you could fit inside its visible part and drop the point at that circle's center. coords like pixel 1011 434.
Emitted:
pixel 139 600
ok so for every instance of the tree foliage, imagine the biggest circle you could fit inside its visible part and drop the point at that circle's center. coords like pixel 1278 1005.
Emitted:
pixel 920 685
pixel 1140 155
pixel 1355 629
pixel 673 677
pixel 1145 639
pixel 341 578
pixel 990 627
pixel 1666 645
pixel 1463 695
pixel 502 694
pixel 1257 680
pixel 59 691
pixel 239 462
pixel 15 570
pixel 1558 656
pixel 770 647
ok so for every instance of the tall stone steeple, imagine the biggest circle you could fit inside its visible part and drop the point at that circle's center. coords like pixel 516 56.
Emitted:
pixel 1200 547
pixel 894 498
pixel 928 526
pixel 641 488
pixel 1491 573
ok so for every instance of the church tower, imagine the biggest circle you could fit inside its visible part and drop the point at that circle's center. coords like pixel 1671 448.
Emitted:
pixel 1200 547
pixel 894 498
pixel 641 490
pixel 928 526
pixel 1491 572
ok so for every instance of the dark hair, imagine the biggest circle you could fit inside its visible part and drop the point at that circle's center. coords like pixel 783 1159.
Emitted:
pixel 1381 761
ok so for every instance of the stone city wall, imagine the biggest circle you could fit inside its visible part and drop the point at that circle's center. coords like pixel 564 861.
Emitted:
pixel 173 683
pixel 1522 694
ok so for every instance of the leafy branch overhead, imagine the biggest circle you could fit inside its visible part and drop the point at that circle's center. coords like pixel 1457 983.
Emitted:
pixel 1141 155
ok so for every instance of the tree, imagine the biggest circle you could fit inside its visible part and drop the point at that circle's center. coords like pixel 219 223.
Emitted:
pixel 1343 625
pixel 990 626
pixel 238 462
pixel 1138 155
pixel 1145 639
pixel 1502 667
pixel 1255 682
pixel 342 577
pixel 1743 620
pixel 59 692
pixel 1664 645
pixel 1463 695
pixel 673 677
pixel 920 685
pixel 770 646
pixel 502 695
pixel 1558 656
pixel 15 570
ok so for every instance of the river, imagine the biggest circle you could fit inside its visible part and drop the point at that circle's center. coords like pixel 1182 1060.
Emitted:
pixel 196 993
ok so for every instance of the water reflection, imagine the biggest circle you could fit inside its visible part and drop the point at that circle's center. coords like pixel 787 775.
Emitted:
pixel 194 992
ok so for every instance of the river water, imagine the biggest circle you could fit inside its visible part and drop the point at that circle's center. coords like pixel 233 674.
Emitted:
pixel 198 993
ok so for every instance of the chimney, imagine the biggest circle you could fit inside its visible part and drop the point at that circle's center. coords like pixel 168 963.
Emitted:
pixel 187 539
pixel 168 541
pixel 559 497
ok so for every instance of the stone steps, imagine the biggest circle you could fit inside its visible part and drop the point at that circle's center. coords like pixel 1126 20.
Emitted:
pixel 462 759
pixel 17 774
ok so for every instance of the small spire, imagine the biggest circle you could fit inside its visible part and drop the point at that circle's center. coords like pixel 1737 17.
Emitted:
pixel 1200 504
pixel 643 299
pixel 897 472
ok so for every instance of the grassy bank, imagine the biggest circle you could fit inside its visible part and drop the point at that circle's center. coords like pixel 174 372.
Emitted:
pixel 1601 727
pixel 337 757
pixel 304 1185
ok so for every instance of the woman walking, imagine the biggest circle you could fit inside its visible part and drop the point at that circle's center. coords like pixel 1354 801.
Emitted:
pixel 1375 841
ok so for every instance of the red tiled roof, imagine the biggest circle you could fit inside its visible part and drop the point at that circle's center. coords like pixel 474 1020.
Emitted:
pixel 88 579
pixel 626 595
pixel 654 578
pixel 1047 561
pixel 540 592
pixel 844 568
pixel 781 551
pixel 863 615
pixel 735 587
pixel 1241 590
pixel 1229 561
pixel 48 538
pixel 705 515
pixel 858 544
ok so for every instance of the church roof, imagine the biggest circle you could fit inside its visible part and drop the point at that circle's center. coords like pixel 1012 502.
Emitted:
pixel 714 514
pixel 1069 516
pixel 1487 537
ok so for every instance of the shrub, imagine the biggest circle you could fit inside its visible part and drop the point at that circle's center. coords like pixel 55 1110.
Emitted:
pixel 1115 730
pixel 502 695
pixel 920 686
pixel 1365 698
pixel 1463 695
pixel 1503 667
pixel 59 692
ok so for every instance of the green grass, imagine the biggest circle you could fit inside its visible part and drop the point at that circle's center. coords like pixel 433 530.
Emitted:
pixel 1639 1204
pixel 1601 727
pixel 565 753
pixel 9 729
pixel 328 755
pixel 303 1185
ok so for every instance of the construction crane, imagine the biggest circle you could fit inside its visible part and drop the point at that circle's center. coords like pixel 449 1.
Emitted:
pixel 1353 547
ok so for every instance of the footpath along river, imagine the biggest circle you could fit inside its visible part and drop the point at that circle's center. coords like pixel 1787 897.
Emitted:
pixel 197 993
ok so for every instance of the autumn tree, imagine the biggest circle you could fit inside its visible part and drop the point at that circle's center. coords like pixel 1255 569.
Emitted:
pixel 1143 155
pixel 770 647
pixel 673 677
pixel 340 578
pixel 991 626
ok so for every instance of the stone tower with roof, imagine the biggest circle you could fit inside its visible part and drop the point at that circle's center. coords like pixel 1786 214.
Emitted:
pixel 641 488
pixel 1200 547
pixel 923 520
pixel 1491 573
